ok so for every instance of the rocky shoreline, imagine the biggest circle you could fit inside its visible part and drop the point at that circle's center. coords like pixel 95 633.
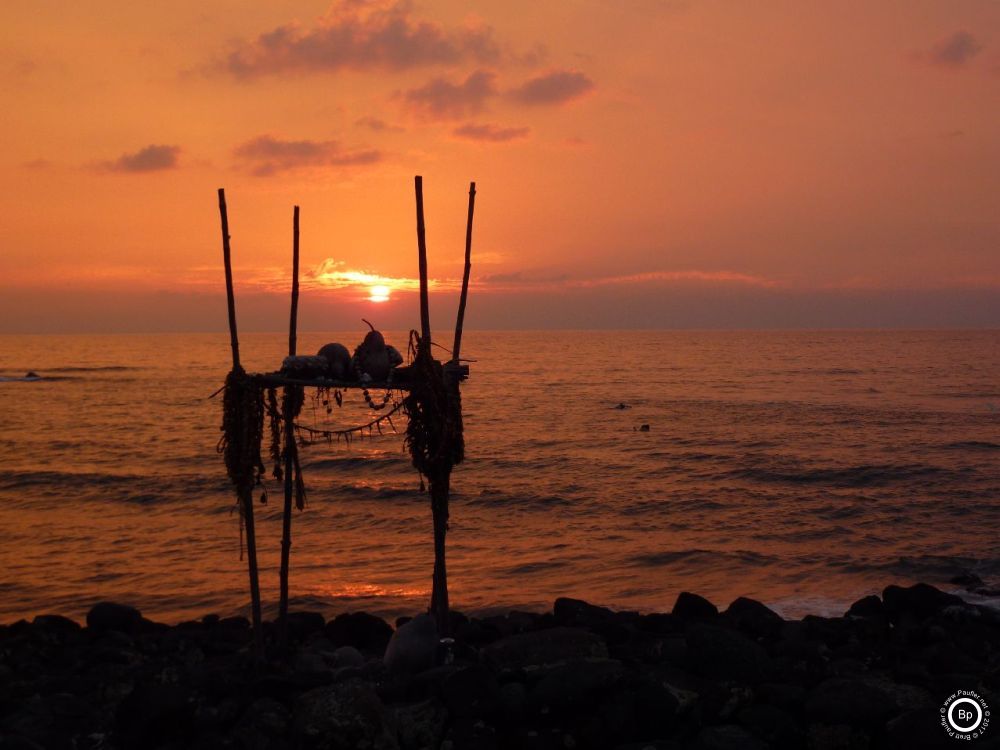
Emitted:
pixel 580 676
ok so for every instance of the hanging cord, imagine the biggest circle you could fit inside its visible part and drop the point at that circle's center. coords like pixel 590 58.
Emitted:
pixel 283 448
pixel 350 432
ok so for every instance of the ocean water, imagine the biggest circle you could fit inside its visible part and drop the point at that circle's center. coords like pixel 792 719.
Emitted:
pixel 805 469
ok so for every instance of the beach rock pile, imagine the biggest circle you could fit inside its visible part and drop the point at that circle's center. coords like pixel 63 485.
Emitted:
pixel 580 676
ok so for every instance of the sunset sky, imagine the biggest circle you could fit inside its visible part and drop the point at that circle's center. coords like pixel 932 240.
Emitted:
pixel 641 163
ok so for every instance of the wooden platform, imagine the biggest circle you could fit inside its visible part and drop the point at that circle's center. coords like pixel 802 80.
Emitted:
pixel 281 379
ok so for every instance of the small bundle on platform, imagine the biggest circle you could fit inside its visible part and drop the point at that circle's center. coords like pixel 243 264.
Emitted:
pixel 373 362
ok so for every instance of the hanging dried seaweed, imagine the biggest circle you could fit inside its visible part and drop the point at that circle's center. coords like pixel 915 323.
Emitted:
pixel 242 429
pixel 274 425
pixel 291 406
pixel 283 447
pixel 434 434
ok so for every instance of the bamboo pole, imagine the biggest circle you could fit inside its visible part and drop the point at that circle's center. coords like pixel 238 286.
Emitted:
pixel 286 517
pixel 293 318
pixel 425 315
pixel 460 320
pixel 439 482
pixel 230 298
pixel 440 487
pixel 245 496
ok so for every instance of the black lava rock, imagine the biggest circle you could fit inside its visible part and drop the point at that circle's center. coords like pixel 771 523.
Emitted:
pixel 726 654
pixel 849 701
pixel 869 606
pixel 111 616
pixel 153 713
pixel 303 624
pixel 754 618
pixel 693 607
pixel 365 632
pixel 919 601
pixel 578 612
pixel 544 647
pixel 472 691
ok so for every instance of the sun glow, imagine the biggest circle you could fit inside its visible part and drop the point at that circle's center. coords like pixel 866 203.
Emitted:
pixel 378 293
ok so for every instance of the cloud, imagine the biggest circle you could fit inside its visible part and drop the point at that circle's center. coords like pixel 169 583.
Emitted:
pixel 268 155
pixel 522 279
pixel 332 274
pixel 954 52
pixel 362 35
pixel 519 280
pixel 152 158
pixel 377 125
pixel 491 133
pixel 441 99
pixel 718 277
pixel 556 87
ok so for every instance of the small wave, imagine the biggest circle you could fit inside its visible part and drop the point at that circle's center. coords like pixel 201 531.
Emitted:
pixel 95 368
pixel 702 557
pixel 33 378
pixel 130 489
pixel 376 492
pixel 970 394
pixel 534 567
pixel 823 371
pixel 874 475
pixel 972 445
pixel 497 499
pixel 358 461
pixel 938 568
pixel 803 535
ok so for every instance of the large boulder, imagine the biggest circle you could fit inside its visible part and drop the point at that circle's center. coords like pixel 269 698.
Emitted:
pixel 418 724
pixel 849 701
pixel 342 716
pixel 578 612
pixel 544 647
pixel 263 725
pixel 105 616
pixel 56 625
pixel 471 691
pixel 755 618
pixel 727 737
pixel 365 632
pixel 724 654
pixel 413 647
pixel 303 624
pixel 919 601
pixel 153 713
pixel 573 685
pixel 868 606
pixel 693 607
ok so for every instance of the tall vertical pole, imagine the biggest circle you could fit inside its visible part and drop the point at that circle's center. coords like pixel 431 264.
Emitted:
pixel 460 320
pixel 439 488
pixel 286 517
pixel 230 297
pixel 293 317
pixel 425 315
pixel 245 493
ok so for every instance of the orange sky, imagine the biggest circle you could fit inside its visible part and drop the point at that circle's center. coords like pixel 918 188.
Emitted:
pixel 643 162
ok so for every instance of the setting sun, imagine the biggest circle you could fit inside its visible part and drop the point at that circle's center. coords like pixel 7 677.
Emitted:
pixel 378 293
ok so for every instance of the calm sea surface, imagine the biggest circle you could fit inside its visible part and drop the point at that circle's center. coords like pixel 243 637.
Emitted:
pixel 805 469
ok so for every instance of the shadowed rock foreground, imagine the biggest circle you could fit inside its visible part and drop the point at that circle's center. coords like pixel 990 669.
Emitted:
pixel 579 677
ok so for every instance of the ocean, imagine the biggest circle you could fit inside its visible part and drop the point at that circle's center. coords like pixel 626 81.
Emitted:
pixel 803 469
